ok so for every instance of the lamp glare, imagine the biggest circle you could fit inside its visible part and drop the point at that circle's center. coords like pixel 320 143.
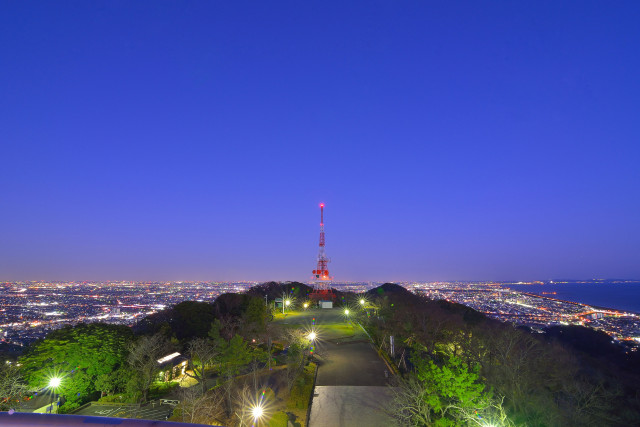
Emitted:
pixel 257 412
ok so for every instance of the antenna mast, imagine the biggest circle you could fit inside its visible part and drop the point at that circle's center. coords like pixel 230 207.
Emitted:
pixel 321 273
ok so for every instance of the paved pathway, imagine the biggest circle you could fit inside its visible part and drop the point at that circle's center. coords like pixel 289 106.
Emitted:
pixel 351 387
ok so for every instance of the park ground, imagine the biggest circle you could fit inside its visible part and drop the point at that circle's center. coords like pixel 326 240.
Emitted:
pixel 351 387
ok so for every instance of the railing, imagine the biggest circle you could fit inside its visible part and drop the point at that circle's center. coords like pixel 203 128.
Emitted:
pixel 21 419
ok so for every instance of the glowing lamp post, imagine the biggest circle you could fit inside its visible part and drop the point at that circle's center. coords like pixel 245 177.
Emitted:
pixel 312 337
pixel 257 412
pixel 54 382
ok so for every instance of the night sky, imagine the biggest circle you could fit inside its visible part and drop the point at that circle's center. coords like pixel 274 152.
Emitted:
pixel 165 140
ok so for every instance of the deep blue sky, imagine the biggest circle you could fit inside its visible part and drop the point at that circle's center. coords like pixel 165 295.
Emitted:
pixel 194 140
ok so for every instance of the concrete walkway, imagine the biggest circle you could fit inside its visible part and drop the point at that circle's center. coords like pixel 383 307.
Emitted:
pixel 350 406
pixel 352 383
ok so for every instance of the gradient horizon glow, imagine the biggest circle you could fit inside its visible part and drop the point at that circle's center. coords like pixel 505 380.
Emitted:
pixel 195 140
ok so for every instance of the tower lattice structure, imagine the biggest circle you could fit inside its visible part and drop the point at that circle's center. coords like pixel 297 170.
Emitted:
pixel 321 273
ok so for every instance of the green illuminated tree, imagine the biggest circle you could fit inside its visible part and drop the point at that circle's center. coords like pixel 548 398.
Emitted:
pixel 113 382
pixel 78 356
pixel 449 394
pixel 452 386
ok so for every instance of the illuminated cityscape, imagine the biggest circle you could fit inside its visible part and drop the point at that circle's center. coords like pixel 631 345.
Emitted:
pixel 31 309
pixel 536 311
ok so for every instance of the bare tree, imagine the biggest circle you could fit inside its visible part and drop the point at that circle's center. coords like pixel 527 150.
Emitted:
pixel 12 386
pixel 243 400
pixel 143 358
pixel 493 414
pixel 512 364
pixel 201 353
pixel 409 406
pixel 196 407
pixel 227 387
pixel 246 400
pixel 295 355
pixel 270 331
pixel 591 402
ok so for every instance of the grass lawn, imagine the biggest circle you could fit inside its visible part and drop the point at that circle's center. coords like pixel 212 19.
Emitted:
pixel 297 401
pixel 336 330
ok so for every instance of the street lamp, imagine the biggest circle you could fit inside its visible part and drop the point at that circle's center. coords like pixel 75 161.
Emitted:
pixel 346 311
pixel 311 336
pixel 285 302
pixel 54 382
pixel 305 305
pixel 257 412
pixel 362 302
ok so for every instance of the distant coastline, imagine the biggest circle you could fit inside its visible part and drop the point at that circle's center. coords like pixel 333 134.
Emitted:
pixel 579 303
pixel 616 296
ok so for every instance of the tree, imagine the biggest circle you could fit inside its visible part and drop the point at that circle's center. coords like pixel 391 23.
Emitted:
pixel 296 353
pixel 196 407
pixel 448 394
pixel 267 339
pixel 201 352
pixel 258 357
pixel 451 386
pixel 410 406
pixel 78 355
pixel 192 319
pixel 231 356
pixel 143 359
pixel 255 317
pixel 113 382
pixel 13 388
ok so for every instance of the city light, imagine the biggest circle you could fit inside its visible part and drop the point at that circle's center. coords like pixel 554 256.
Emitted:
pixel 133 300
pixel 346 311
pixel 312 336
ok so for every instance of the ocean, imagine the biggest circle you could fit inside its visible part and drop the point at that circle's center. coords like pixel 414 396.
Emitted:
pixel 620 296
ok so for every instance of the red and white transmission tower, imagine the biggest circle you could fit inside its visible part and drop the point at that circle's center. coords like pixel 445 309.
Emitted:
pixel 321 273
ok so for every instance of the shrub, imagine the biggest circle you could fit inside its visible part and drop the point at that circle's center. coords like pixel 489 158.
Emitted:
pixel 302 388
pixel 279 419
pixel 119 398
